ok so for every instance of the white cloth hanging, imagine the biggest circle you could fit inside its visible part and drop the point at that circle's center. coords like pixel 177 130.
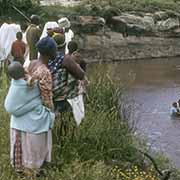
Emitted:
pixel 77 105
pixel 7 37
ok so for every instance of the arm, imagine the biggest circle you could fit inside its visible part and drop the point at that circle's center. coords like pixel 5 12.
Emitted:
pixel 78 59
pixel 45 85
pixel 73 68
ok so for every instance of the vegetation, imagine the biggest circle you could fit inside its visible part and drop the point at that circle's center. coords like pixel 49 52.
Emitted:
pixel 102 148
pixel 104 8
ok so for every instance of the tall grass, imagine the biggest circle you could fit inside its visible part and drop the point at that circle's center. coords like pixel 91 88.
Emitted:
pixel 91 152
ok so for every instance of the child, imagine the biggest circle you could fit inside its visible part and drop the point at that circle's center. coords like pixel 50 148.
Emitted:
pixel 18 48
pixel 174 110
pixel 73 51
pixel 30 121
pixel 25 101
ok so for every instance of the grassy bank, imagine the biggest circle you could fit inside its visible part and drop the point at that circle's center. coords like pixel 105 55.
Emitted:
pixel 102 148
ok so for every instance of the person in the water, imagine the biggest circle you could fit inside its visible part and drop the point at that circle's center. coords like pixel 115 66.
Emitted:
pixel 174 110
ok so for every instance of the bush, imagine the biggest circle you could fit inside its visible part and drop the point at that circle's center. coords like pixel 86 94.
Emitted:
pixel 92 151
pixel 28 7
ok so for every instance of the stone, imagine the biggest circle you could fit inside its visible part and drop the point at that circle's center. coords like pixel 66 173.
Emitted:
pixel 87 24
pixel 133 25
pixel 160 15
pixel 168 24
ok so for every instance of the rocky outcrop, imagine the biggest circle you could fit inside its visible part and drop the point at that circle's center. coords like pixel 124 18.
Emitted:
pixel 87 24
pixel 114 47
pixel 160 24
pixel 129 36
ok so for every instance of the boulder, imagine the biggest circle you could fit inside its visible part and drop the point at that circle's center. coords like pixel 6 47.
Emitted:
pixel 160 15
pixel 133 25
pixel 87 24
pixel 168 24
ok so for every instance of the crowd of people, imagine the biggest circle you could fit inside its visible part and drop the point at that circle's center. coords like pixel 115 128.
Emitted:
pixel 54 81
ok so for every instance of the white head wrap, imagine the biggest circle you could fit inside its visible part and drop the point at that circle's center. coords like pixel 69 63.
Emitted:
pixel 64 23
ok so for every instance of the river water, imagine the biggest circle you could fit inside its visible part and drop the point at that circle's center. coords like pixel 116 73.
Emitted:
pixel 151 86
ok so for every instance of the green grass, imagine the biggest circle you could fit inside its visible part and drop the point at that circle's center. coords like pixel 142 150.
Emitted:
pixel 102 141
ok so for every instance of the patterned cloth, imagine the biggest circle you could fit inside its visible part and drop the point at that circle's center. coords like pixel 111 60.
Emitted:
pixel 59 77
pixel 36 148
pixel 17 151
pixel 43 75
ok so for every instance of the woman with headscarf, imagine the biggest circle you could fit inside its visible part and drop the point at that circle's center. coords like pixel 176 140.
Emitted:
pixel 31 123
pixel 59 68
pixel 40 145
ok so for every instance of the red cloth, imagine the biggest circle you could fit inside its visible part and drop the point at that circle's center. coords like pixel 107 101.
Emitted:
pixel 18 49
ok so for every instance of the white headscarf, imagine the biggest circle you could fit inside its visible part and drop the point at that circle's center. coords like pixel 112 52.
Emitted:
pixel 64 23
pixel 48 25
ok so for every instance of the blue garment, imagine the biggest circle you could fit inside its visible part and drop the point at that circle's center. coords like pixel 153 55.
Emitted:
pixel 26 109
pixel 47 46
pixel 173 111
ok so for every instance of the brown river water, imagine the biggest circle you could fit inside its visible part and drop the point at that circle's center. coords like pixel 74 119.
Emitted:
pixel 150 87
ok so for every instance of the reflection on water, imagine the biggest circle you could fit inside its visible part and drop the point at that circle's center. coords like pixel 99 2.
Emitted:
pixel 153 85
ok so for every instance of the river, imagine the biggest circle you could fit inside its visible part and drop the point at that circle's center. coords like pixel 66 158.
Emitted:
pixel 150 87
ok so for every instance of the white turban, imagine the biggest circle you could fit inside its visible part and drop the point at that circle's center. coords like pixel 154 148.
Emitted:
pixel 64 23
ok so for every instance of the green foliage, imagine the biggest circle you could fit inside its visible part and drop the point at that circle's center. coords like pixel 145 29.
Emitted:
pixel 142 5
pixel 28 7
pixel 88 152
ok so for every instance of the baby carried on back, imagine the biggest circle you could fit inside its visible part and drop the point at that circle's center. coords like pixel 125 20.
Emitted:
pixel 25 105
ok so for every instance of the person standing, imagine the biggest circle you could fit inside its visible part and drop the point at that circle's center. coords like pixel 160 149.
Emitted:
pixel 31 123
pixel 18 48
pixel 32 36
pixel 69 34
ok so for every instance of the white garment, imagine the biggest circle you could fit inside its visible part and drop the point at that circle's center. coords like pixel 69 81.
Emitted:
pixel 48 25
pixel 7 37
pixel 68 37
pixel 64 23
pixel 77 105
pixel 36 148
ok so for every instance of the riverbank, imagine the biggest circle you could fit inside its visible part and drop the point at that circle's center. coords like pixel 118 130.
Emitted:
pixel 103 147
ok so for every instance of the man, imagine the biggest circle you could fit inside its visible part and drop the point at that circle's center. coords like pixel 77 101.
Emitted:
pixel 33 35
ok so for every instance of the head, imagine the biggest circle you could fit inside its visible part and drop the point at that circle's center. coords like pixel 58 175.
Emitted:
pixel 64 23
pixel 47 47
pixel 35 19
pixel 174 104
pixel 16 70
pixel 60 40
pixel 72 46
pixel 19 35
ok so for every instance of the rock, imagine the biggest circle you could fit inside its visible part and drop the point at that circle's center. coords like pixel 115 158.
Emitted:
pixel 160 15
pixel 96 48
pixel 168 24
pixel 133 25
pixel 108 12
pixel 87 24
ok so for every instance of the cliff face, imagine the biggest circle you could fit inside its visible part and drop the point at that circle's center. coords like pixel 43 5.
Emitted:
pixel 131 35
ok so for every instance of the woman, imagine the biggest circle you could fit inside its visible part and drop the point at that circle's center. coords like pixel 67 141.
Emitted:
pixel 59 68
pixel 35 147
